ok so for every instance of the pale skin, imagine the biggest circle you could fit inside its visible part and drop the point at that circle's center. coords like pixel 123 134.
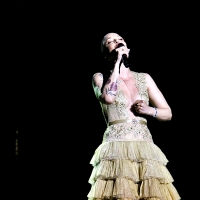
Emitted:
pixel 127 84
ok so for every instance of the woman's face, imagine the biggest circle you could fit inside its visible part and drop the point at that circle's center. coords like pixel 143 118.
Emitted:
pixel 112 40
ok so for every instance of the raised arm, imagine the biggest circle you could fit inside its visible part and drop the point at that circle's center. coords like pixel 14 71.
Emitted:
pixel 106 93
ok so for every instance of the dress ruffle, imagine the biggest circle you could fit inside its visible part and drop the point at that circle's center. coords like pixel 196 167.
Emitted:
pixel 130 170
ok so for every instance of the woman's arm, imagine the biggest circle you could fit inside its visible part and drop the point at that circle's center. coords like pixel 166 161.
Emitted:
pixel 106 93
pixel 97 82
pixel 162 110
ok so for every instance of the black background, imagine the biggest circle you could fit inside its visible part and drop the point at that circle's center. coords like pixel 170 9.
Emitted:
pixel 49 54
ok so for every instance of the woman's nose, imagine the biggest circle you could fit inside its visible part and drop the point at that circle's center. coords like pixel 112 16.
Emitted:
pixel 116 41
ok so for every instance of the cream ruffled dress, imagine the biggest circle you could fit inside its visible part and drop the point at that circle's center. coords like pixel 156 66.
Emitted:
pixel 127 165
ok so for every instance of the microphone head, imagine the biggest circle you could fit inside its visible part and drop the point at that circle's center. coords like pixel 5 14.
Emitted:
pixel 124 56
pixel 120 45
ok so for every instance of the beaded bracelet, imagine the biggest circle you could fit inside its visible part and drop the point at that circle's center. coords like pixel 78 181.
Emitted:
pixel 156 112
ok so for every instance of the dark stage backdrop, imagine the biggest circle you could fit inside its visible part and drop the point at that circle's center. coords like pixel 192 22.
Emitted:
pixel 50 116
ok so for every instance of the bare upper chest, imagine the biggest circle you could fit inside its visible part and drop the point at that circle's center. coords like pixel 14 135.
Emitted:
pixel 130 90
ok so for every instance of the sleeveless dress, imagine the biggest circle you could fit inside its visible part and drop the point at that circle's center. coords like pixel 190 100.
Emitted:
pixel 127 165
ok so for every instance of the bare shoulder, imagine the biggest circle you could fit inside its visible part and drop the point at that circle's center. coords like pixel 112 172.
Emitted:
pixel 97 74
pixel 150 82
pixel 148 78
pixel 97 79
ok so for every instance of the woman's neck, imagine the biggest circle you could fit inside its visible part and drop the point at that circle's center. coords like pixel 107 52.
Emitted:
pixel 124 72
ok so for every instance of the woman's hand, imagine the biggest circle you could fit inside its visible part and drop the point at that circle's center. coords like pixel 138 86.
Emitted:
pixel 121 51
pixel 140 107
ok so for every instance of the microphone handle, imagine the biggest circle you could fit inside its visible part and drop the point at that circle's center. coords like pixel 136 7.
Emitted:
pixel 125 60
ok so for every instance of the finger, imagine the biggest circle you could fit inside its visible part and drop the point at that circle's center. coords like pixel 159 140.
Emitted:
pixel 136 104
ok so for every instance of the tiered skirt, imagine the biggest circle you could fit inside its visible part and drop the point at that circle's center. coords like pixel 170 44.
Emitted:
pixel 130 170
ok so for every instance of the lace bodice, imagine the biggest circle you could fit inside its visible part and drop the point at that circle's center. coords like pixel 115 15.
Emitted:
pixel 119 109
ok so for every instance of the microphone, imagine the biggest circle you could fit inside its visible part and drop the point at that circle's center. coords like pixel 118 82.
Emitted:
pixel 124 56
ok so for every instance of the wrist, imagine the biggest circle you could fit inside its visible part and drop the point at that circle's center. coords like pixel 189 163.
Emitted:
pixel 116 72
pixel 155 112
